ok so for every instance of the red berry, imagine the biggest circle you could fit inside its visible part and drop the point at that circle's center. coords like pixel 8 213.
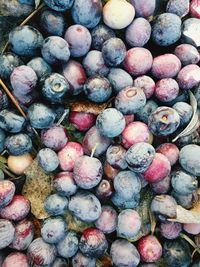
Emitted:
pixel 170 151
pixel 82 120
pixel 16 259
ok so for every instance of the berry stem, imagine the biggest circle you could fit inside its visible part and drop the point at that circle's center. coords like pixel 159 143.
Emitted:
pixel 93 150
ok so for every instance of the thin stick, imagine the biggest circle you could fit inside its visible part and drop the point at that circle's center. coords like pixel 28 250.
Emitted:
pixel 24 22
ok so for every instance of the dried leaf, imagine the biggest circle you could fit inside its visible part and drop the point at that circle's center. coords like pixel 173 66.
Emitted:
pixel 89 107
pixel 186 216
pixel 194 123
pixel 37 3
pixel 36 188
pixel 105 261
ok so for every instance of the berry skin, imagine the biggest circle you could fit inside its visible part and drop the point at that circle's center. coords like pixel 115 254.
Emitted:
pixel 81 120
pixel 16 259
pixel 110 122
pixel 54 137
pixel 163 186
pixel 124 253
pixel 23 46
pixel 170 151
pixel 188 54
pixel 146 83
pixel 134 133
pixel 97 89
pixel 129 100
pixel 104 189
pixel 55 205
pixel 93 243
pixel 149 248
pixel 47 159
pixel 166 90
pixel 107 222
pixel 184 111
pixel 41 253
pixel 109 171
pixel 8 62
pixel 144 8
pixel 192 228
pixel 186 201
pixel 188 77
pixel 144 113
pixel 18 144
pixel 179 7
pixel 7 232
pixel 3 100
pixel 7 191
pixel 80 260
pixel 68 155
pixel 64 184
pixel 85 206
pixel 18 164
pixel 40 66
pixel 53 230
pixel 24 233
pixel 58 5
pixel 115 156
pixel 129 224
pixel 170 230
pixel 138 61
pixel 55 50
pixel 188 35
pixel 166 29
pixel 166 66
pixel 17 209
pixel 119 79
pixel 113 51
pixel 11 122
pixel 122 203
pixel 68 246
pixel 60 262
pixel 88 172
pixel 140 156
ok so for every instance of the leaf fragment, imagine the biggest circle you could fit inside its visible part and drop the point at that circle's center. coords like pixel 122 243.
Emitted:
pixel 186 216
pixel 89 107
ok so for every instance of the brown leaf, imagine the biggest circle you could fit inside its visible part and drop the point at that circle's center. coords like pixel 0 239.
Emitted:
pixel 36 188
pixel 89 107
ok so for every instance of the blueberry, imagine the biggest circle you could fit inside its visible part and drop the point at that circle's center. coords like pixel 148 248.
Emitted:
pixel 163 121
pixel 52 22
pixel 104 189
pixel 123 203
pixel 144 113
pixel 170 230
pixel 93 243
pixel 53 230
pixel 8 62
pixel 59 5
pixel 18 144
pixel 11 122
pixel 3 100
pixel 119 79
pixel 94 64
pixel 64 184
pixel 68 246
pixel 7 232
pixel 184 111
pixel 163 186
pixel 140 156
pixel 146 83
pixel 27 2
pixel 197 95
pixel 23 46
pixel 129 100
pixel 127 184
pixel 180 8
pixel 55 205
pixel 100 34
pixel 98 89
pixel 188 34
pixel 144 8
pixel 188 77
pixel 55 87
pixel 16 259
pixel 40 253
pixel 115 156
pixel 188 54
pixel 113 51
pixel 85 206
pixel 80 260
pixel 166 90
pixel 124 253
pixel 110 122
pixel 55 50
pixel 166 29
pixel 40 116
pixel 2 140
pixel 60 262
pixel 107 222
pixel 48 159
pixel 87 12
pixel 7 191
pixel 41 67
pixel 186 201
pixel 177 253
pixel 189 159
pixel 129 224
pixel 79 39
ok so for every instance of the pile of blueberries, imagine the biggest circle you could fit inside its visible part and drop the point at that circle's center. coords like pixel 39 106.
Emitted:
pixel 145 65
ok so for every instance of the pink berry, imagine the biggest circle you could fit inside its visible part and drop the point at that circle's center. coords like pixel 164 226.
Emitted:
pixel 166 89
pixel 82 120
pixel 16 259
pixel 7 191
pixel 138 61
pixel 170 230
pixel 149 248
pixel 166 66
pixel 129 118
pixel 192 228
pixel 170 151
pixel 195 8
pixel 163 186
pixel 189 76
pixel 107 222
pixel 17 210
pixel 187 53
pixel 134 133
pixel 158 170
pixel 7 232
pixel 24 232
pixel 109 171
pixel 146 83
pixel 68 154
